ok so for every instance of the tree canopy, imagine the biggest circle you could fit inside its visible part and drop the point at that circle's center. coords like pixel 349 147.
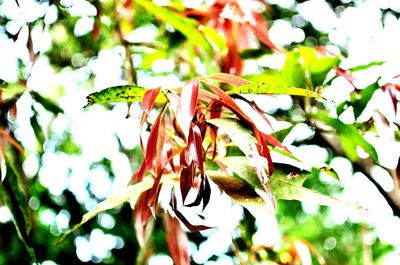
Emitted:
pixel 199 132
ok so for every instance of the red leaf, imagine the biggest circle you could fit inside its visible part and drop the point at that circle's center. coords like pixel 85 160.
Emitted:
pixel 142 215
pixel 260 28
pixel 155 144
pixel 182 218
pixel 265 153
pixel 12 141
pixel 195 147
pixel 227 78
pixel 186 180
pixel 229 103
pixel 346 74
pixel 270 195
pixel 177 241
pixel 233 63
pixel 188 105
pixel 274 142
pixel 390 89
pixel 140 173
pixel 149 98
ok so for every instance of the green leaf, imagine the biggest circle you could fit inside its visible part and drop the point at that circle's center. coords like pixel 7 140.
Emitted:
pixel 241 135
pixel 214 37
pixel 47 103
pixel 244 194
pixel 285 183
pixel 317 66
pixel 14 197
pixel 128 93
pixel 366 66
pixel 131 193
pixel 270 87
pixel 360 100
pixel 292 71
pixel 188 27
pixel 349 137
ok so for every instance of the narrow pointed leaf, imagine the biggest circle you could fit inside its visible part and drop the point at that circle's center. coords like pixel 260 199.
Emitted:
pixel 187 26
pixel 196 148
pixel 260 28
pixel 188 105
pixel 177 241
pixel 227 78
pixel 142 214
pixel 148 99
pixel 47 103
pixel 284 183
pixel 12 194
pixel 349 136
pixel 243 193
pixel 270 87
pixel 128 93
pixel 131 193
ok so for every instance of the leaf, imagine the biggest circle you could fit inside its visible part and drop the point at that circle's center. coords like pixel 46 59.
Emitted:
pixel 349 137
pixel 196 148
pixel 188 27
pixel 214 37
pixel 155 144
pixel 317 66
pixel 242 193
pixel 47 103
pixel 148 99
pixel 188 105
pixel 359 99
pixel 128 93
pixel 270 87
pixel 285 184
pixel 366 66
pixel 131 193
pixel 292 71
pixel 177 241
pixel 260 28
pixel 239 134
pixel 227 78
pixel 12 194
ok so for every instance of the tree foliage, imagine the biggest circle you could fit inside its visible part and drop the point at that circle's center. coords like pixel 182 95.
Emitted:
pixel 212 132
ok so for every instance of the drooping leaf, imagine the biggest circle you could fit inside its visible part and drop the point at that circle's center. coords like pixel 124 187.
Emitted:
pixel 187 26
pixel 349 137
pixel 285 184
pixel 260 28
pixel 142 214
pixel 131 193
pixel 128 93
pixel 13 195
pixel 155 144
pixel 214 37
pixel 270 87
pixel 148 99
pixel 177 241
pixel 243 194
pixel 188 105
pixel 227 78
pixel 195 148
pixel 47 103
pixel 174 205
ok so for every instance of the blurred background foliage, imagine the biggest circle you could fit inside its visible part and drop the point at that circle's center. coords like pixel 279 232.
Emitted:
pixel 58 161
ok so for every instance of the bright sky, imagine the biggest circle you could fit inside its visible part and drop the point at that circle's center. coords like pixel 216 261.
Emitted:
pixel 358 29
